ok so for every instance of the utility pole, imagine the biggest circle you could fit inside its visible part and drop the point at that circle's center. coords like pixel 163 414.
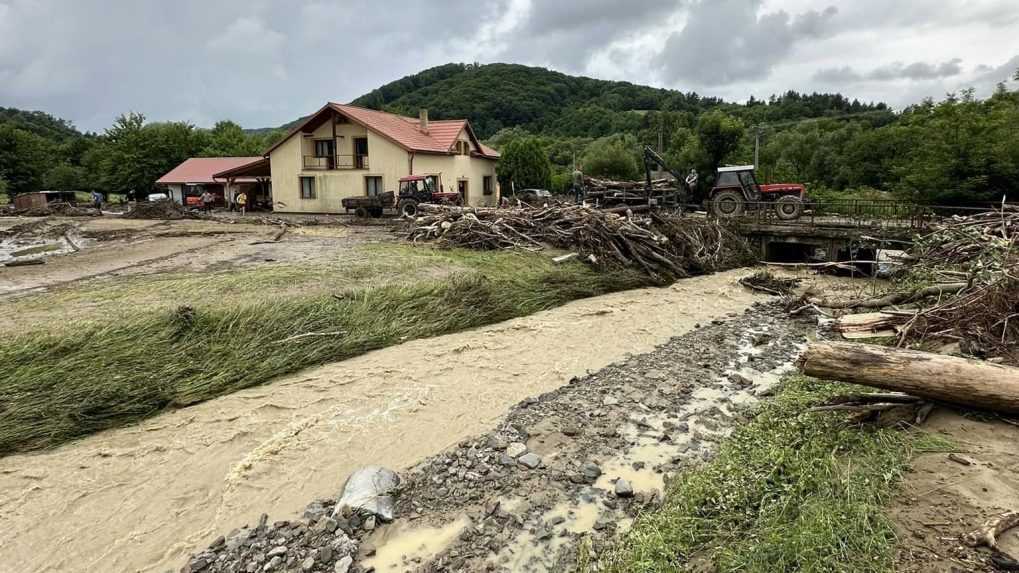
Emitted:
pixel 757 147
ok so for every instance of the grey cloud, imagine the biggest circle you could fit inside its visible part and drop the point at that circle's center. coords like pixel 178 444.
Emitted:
pixel 726 41
pixel 564 33
pixel 258 62
pixel 917 71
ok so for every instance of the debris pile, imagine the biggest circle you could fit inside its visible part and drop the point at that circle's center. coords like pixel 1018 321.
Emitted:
pixel 961 285
pixel 164 209
pixel 606 192
pixel 664 246
pixel 54 209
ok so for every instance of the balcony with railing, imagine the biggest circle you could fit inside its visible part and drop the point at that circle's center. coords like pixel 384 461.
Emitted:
pixel 333 162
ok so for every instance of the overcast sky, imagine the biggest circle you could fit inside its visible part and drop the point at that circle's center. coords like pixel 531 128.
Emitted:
pixel 264 62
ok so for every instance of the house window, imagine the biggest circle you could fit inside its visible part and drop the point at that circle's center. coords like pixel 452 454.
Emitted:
pixel 307 187
pixel 486 185
pixel 463 148
pixel 373 186
pixel 324 147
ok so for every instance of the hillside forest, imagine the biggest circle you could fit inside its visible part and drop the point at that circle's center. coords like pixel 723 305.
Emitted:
pixel 959 150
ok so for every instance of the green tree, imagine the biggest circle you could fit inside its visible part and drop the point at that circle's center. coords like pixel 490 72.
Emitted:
pixel 613 157
pixel 719 135
pixel 65 177
pixel 524 164
pixel 227 139
pixel 24 159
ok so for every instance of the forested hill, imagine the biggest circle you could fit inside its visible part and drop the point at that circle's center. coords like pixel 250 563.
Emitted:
pixel 497 96
pixel 38 122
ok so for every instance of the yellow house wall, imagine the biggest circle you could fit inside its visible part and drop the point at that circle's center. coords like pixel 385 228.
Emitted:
pixel 456 167
pixel 385 159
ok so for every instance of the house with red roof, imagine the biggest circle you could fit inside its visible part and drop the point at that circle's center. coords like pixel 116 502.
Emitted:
pixel 347 151
pixel 186 183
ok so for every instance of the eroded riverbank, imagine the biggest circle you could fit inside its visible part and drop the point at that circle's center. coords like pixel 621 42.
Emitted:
pixel 143 498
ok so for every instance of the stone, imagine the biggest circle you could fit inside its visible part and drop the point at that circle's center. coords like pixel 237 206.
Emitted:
pixel 516 449
pixel 325 554
pixel 496 443
pixel 610 401
pixel 308 564
pixel 325 525
pixel 197 564
pixel 623 488
pixel 590 472
pixel 370 489
pixel 571 430
pixel 273 563
pixel 315 511
pixel 343 565
pixel 529 460
pixel 369 524
pixel 280 550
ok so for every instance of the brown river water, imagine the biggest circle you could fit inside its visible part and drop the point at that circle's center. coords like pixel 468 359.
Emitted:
pixel 142 498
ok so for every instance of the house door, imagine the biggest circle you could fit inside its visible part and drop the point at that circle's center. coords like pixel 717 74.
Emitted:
pixel 361 152
pixel 461 187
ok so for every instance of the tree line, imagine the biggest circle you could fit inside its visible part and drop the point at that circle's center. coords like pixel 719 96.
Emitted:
pixel 960 150
pixel 38 151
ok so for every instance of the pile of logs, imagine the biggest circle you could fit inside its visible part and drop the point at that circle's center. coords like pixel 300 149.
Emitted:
pixel 665 247
pixel 608 193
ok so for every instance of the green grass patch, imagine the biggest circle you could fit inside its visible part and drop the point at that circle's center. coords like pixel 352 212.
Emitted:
pixel 55 387
pixel 789 491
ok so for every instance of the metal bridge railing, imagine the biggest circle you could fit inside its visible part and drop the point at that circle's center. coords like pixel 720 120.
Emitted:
pixel 874 214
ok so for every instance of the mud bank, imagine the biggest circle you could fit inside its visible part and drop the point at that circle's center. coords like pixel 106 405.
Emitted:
pixel 144 498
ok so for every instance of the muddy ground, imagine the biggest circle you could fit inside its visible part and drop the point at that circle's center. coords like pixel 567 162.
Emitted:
pixel 574 464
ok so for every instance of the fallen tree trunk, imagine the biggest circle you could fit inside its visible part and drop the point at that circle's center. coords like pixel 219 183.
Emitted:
pixel 892 298
pixel 936 377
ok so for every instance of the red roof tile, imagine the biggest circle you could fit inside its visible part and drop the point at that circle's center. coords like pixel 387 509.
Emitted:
pixel 202 169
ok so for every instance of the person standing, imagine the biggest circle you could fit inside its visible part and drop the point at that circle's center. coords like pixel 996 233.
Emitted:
pixel 207 200
pixel 97 201
pixel 242 201
pixel 578 185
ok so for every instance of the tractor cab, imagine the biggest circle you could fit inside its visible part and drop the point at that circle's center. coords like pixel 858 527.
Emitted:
pixel 417 189
pixel 736 189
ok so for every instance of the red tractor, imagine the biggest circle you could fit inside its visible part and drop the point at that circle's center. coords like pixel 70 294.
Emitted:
pixel 416 189
pixel 736 187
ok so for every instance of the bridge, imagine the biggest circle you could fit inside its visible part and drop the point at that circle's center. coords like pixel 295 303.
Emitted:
pixel 840 231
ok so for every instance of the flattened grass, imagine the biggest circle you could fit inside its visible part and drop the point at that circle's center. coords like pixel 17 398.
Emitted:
pixel 790 491
pixel 56 387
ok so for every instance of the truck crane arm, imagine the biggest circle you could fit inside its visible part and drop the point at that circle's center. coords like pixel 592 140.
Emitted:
pixel 652 159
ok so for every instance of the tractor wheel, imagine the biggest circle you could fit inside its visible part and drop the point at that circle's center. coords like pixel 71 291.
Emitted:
pixel 361 213
pixel 408 208
pixel 788 207
pixel 728 204
pixel 458 201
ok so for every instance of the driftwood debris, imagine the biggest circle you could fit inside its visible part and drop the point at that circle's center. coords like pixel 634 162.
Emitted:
pixel 891 298
pixel 883 409
pixel 275 236
pixel 937 377
pixel 661 245
pixel 987 534
pixel 25 262
pixel 871 324
pixel 764 281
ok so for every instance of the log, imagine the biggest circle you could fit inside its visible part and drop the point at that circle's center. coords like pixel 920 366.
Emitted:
pixel 988 533
pixel 892 298
pixel 937 377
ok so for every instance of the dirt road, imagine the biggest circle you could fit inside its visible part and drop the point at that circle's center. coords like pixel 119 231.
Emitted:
pixel 143 498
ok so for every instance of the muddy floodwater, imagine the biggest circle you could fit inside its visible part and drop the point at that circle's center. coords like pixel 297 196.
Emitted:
pixel 143 498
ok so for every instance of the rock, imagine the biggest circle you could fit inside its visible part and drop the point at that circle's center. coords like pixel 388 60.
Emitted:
pixel 516 449
pixel 325 554
pixel 529 460
pixel 369 524
pixel 571 430
pixel 623 488
pixel 496 443
pixel 370 489
pixel 273 563
pixel 308 564
pixel 315 511
pixel 610 401
pixel 325 525
pixel 740 380
pixel 343 565
pixel 281 550
pixel 590 471
pixel 196 564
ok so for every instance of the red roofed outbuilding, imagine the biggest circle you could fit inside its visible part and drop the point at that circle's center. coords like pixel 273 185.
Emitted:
pixel 186 182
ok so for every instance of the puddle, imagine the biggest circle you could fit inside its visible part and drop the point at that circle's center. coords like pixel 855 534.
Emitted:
pixel 535 550
pixel 402 547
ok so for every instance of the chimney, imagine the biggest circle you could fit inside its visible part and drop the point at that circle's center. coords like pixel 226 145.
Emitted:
pixel 424 120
